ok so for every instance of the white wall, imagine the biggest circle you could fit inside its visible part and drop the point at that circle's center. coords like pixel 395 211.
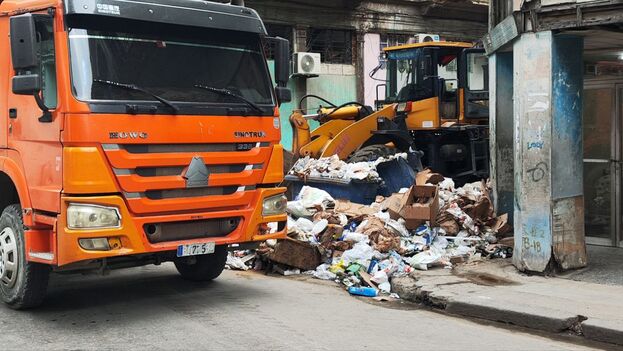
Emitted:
pixel 371 52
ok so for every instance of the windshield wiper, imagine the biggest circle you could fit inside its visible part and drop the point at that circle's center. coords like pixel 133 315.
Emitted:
pixel 227 92
pixel 135 88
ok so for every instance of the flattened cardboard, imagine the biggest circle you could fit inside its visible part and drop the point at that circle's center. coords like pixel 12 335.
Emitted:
pixel 352 209
pixel 428 177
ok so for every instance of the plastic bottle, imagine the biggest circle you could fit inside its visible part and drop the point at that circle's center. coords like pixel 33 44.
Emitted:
pixel 362 291
pixel 373 263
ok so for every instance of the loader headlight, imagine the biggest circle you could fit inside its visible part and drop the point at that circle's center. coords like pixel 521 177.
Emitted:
pixel 81 216
pixel 275 205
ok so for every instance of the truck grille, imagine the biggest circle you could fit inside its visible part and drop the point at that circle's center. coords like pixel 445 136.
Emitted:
pixel 174 231
pixel 154 177
pixel 176 148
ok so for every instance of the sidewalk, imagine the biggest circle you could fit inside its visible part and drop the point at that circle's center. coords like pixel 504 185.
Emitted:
pixel 495 290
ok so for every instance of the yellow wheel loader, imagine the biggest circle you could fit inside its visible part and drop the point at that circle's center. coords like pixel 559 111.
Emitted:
pixel 436 108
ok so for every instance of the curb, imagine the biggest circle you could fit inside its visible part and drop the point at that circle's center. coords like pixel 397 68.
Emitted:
pixel 598 330
pixel 546 320
pixel 523 319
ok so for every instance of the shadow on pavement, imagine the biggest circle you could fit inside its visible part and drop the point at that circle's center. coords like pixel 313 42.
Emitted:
pixel 132 295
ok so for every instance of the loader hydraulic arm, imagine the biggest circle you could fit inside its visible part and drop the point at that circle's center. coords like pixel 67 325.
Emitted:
pixel 301 133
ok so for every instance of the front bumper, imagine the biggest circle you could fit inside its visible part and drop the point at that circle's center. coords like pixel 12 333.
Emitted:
pixel 134 240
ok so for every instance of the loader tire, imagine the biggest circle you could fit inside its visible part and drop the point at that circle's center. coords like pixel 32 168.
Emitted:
pixel 371 153
pixel 205 268
pixel 23 284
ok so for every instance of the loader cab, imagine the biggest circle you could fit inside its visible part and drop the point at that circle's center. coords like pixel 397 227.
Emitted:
pixel 444 81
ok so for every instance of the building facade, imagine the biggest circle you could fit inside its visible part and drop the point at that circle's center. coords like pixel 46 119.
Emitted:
pixel 350 35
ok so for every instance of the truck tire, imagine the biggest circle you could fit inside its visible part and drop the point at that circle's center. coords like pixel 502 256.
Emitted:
pixel 23 284
pixel 371 153
pixel 206 267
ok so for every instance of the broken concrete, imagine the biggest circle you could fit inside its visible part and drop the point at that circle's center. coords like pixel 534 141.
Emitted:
pixel 494 290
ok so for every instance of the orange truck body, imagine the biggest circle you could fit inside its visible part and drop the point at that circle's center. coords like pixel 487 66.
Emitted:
pixel 74 159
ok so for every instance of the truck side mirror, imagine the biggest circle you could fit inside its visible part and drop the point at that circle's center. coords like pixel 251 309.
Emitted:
pixel 27 84
pixel 24 42
pixel 282 69
pixel 24 55
pixel 283 94
pixel 282 61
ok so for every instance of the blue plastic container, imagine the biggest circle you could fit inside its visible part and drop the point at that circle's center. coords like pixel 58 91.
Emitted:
pixel 362 291
pixel 396 174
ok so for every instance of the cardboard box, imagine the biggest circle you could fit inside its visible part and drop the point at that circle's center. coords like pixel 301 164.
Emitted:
pixel 418 205
pixel 393 205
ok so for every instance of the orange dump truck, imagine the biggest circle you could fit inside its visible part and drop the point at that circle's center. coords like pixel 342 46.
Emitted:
pixel 132 133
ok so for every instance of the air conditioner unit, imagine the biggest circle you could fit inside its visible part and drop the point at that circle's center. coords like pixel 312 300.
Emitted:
pixel 307 63
pixel 423 38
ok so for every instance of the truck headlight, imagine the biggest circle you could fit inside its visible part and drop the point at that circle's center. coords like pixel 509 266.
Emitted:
pixel 81 216
pixel 275 205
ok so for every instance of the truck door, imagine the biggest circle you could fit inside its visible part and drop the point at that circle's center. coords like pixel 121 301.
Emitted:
pixel 36 137
pixel 474 79
pixel 4 81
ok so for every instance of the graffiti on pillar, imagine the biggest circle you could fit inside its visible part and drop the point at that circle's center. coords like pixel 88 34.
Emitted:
pixel 528 244
pixel 535 145
pixel 532 238
pixel 538 172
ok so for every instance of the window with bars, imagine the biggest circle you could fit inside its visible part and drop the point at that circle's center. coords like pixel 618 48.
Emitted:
pixel 335 45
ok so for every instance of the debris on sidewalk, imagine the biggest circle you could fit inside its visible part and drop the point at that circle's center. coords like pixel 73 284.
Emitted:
pixel 363 246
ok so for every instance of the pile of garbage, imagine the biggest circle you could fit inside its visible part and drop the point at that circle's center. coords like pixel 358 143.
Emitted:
pixel 334 168
pixel 431 224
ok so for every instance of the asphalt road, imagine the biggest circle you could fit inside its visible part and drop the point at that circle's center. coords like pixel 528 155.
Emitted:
pixel 152 308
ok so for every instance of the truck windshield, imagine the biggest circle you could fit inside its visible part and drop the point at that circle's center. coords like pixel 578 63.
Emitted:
pixel 169 63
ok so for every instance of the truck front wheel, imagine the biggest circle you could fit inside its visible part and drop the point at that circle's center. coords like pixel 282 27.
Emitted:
pixel 23 284
pixel 205 267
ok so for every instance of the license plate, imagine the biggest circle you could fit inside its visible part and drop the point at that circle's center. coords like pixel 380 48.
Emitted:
pixel 195 249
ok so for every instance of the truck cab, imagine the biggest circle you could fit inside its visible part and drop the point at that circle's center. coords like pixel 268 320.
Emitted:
pixel 132 133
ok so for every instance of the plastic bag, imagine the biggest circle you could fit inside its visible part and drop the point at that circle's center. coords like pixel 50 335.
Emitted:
pixel 319 227
pixel 440 243
pixel 398 228
pixel 385 287
pixel 354 237
pixel 447 184
pixel 234 262
pixel 304 225
pixel 296 209
pixel 380 277
pixel 423 259
pixel 361 253
pixel 312 198
pixel 322 272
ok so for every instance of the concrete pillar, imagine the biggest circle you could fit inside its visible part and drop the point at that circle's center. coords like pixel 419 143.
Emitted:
pixel 371 55
pixel 501 131
pixel 549 202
